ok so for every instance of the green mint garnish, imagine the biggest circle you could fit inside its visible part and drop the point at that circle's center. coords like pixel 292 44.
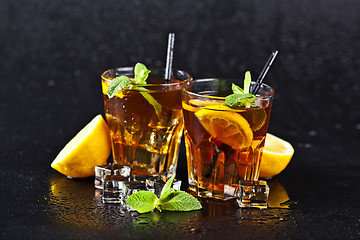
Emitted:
pixel 170 200
pixel 247 82
pixel 149 98
pixel 237 89
pixel 141 73
pixel 118 84
pixel 181 201
pixel 241 97
pixel 142 201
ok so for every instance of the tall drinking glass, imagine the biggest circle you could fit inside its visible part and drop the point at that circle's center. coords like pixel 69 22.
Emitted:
pixel 146 122
pixel 224 145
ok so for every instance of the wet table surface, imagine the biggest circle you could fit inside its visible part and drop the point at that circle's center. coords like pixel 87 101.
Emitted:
pixel 52 55
pixel 313 198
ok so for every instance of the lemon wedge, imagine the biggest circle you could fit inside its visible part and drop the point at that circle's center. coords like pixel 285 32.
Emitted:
pixel 89 148
pixel 227 127
pixel 276 156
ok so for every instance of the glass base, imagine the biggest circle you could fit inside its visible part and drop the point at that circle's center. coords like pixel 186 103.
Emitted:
pixel 143 177
pixel 228 193
pixel 253 194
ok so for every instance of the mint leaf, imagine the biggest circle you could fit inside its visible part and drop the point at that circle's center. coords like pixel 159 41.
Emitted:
pixel 142 201
pixel 236 89
pixel 167 191
pixel 170 199
pixel 238 100
pixel 241 98
pixel 152 102
pixel 181 201
pixel 141 73
pixel 247 82
pixel 167 185
pixel 117 84
pixel 175 200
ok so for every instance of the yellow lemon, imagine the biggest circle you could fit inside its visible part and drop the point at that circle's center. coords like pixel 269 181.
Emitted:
pixel 227 127
pixel 89 148
pixel 276 156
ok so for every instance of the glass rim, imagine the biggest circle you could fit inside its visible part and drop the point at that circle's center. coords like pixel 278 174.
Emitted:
pixel 223 98
pixel 131 69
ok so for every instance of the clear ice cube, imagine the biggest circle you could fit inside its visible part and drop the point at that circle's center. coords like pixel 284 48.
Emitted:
pixel 113 188
pixel 253 194
pixel 109 169
pixel 135 186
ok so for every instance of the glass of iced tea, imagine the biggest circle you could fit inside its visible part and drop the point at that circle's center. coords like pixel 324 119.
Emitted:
pixel 224 145
pixel 146 122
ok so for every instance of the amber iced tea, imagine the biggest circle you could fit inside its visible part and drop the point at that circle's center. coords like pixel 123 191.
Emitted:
pixel 146 123
pixel 223 145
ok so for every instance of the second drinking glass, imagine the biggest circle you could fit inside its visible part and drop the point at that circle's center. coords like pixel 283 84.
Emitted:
pixel 224 145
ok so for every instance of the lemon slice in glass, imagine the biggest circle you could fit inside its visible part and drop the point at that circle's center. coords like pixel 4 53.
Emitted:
pixel 256 118
pixel 227 127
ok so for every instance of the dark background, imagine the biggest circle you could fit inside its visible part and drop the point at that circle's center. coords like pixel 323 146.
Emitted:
pixel 52 54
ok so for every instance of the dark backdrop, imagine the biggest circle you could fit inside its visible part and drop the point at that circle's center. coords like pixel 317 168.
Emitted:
pixel 53 52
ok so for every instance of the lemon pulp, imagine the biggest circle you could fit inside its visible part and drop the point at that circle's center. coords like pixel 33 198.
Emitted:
pixel 227 127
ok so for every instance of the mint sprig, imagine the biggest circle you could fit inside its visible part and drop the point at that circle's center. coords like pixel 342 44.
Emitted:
pixel 241 97
pixel 141 73
pixel 170 200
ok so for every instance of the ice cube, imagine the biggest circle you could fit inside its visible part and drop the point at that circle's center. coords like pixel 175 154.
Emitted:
pixel 109 169
pixel 176 184
pixel 253 194
pixel 113 188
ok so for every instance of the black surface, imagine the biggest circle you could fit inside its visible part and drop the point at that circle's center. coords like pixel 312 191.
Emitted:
pixel 53 52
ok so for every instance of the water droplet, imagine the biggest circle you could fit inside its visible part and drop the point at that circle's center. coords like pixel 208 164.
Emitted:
pixel 51 83
pixel 312 133
pixel 308 145
pixel 77 73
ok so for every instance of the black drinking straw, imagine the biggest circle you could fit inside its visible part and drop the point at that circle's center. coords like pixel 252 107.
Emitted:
pixel 169 57
pixel 263 73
